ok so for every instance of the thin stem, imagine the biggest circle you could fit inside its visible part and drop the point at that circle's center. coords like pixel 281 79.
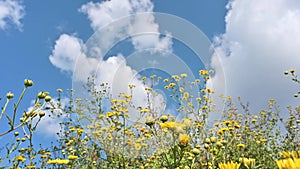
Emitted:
pixel 16 107
pixel 4 108
pixel 2 134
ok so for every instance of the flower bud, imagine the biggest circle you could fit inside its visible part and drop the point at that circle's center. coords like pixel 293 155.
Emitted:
pixel 213 139
pixel 206 146
pixel 149 120
pixel 9 95
pixel 59 90
pixel 28 83
pixel 164 118
pixel 207 140
pixel 21 119
pixel 23 139
pixel 48 98
pixel 42 114
pixel 16 133
pixel 195 151
pixel 41 95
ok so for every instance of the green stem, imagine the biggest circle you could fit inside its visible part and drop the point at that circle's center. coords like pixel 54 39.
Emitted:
pixel 4 108
pixel 16 107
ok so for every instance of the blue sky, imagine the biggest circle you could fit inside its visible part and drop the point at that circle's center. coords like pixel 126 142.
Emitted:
pixel 254 42
pixel 26 53
pixel 26 46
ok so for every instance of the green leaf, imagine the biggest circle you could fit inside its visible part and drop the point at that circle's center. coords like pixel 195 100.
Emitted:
pixel 10 122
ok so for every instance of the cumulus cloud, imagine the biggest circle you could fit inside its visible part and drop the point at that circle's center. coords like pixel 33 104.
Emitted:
pixel 49 125
pixel 11 13
pixel 70 54
pixel 260 42
pixel 103 13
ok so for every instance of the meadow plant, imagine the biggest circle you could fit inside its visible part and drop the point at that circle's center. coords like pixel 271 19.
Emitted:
pixel 110 138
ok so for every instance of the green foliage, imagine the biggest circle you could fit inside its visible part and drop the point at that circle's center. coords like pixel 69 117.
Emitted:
pixel 113 140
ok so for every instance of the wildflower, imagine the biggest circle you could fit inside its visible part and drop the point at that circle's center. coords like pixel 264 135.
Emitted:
pixel 58 161
pixel 206 146
pixel 219 144
pixel 30 166
pixel 145 110
pixel 288 163
pixel 148 88
pixel 28 83
pixel 21 158
pixel 109 114
pixel 48 98
pixel 248 162
pixel 183 75
pixel 72 157
pixel 229 165
pixel 292 71
pixel 172 84
pixel 203 72
pixel 183 139
pixel 213 139
pixel 164 118
pixel 187 122
pixel 137 146
pixel 149 120
pixel 41 114
pixel 131 86
pixel 152 76
pixel 181 89
pixel 207 140
pixel 241 145
pixel 166 80
pixel 16 133
pixel 9 95
pixel 195 151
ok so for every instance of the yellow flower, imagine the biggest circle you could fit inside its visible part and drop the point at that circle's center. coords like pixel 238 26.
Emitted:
pixel 109 114
pixel 21 158
pixel 137 146
pixel 292 70
pixel 145 110
pixel 148 88
pixel 241 145
pixel 203 72
pixel 292 154
pixel 58 161
pixel 248 162
pixel 30 166
pixel 229 165
pixel 183 75
pixel 172 84
pixel 72 157
pixel 164 118
pixel 288 163
pixel 183 139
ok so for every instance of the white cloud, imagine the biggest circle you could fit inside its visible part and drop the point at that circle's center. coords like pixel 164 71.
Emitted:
pixel 83 60
pixel 11 12
pixel 261 41
pixel 50 123
pixel 143 29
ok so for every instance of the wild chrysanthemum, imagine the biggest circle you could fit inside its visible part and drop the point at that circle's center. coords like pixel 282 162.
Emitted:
pixel 229 165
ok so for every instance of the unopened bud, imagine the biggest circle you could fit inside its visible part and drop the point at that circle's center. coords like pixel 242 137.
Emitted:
pixel 48 98
pixel 28 82
pixel 9 95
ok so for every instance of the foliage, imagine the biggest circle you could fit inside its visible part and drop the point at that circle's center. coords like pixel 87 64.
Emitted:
pixel 112 140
